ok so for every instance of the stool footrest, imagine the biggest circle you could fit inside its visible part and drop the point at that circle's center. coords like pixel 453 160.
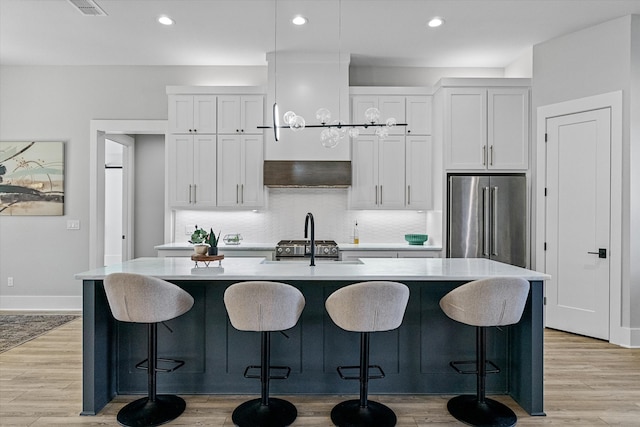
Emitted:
pixel 271 368
pixel 172 365
pixel 371 377
pixel 495 369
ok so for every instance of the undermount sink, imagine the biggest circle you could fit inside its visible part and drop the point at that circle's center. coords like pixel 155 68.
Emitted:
pixel 318 261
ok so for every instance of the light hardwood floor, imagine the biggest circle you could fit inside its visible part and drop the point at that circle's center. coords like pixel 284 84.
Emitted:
pixel 587 383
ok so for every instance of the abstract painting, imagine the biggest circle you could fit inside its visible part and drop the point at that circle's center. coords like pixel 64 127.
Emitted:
pixel 31 178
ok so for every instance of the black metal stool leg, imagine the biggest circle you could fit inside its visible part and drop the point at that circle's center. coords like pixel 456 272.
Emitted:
pixel 478 410
pixel 363 412
pixel 154 409
pixel 266 411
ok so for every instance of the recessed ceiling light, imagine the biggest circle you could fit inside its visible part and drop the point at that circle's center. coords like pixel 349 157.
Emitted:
pixel 299 20
pixel 165 20
pixel 436 22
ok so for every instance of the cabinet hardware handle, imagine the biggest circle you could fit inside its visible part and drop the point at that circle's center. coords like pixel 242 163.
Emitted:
pixel 485 221
pixel 376 190
pixel 195 130
pixel 381 195
pixel 242 194
pixel 237 130
pixel 195 193
pixel 494 215
pixel 408 130
pixel 408 194
pixel 237 197
pixel 190 193
pixel 484 155
pixel 491 156
pixel 190 130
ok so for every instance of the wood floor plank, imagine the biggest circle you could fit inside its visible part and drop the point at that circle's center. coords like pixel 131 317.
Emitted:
pixel 587 383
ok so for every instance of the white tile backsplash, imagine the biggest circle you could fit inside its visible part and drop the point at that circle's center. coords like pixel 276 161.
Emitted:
pixel 285 215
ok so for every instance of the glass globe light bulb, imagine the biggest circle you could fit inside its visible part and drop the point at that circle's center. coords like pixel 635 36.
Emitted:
pixel 354 132
pixel 332 138
pixel 323 115
pixel 391 122
pixel 372 115
pixel 382 132
pixel 288 116
pixel 297 123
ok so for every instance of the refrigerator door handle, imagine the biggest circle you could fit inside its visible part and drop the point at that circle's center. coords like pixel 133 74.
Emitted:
pixel 494 222
pixel 485 221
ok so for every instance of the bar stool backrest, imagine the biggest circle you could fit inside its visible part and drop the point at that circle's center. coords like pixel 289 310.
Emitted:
pixel 144 299
pixel 262 306
pixel 497 301
pixel 368 306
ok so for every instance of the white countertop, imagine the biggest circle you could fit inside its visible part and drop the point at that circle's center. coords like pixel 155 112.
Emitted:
pixel 271 246
pixel 420 269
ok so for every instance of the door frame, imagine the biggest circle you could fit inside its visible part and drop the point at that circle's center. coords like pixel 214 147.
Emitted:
pixel 613 100
pixel 98 129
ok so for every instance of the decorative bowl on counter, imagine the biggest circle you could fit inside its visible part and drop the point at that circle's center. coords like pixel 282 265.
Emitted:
pixel 232 239
pixel 416 239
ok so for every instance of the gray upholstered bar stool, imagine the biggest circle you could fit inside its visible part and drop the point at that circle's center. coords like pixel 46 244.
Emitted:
pixel 264 307
pixel 142 299
pixel 366 307
pixel 498 301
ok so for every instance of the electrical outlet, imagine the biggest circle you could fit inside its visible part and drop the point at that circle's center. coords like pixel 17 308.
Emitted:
pixel 73 224
pixel 9 281
pixel 188 230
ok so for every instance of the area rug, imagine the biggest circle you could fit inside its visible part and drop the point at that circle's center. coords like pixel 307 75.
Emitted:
pixel 16 329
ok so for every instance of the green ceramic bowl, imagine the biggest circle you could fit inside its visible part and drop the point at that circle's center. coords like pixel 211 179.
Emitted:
pixel 416 239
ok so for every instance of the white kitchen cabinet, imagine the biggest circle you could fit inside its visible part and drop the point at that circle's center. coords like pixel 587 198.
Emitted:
pixel 378 172
pixel 239 175
pixel 191 171
pixel 418 254
pixel 389 106
pixel 418 172
pixel 240 114
pixel 409 253
pixel 192 114
pixel 486 129
pixel 418 115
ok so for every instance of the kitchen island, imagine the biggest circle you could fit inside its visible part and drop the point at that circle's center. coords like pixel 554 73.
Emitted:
pixel 415 357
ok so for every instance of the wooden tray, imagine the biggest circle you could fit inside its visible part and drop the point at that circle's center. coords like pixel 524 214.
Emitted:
pixel 207 259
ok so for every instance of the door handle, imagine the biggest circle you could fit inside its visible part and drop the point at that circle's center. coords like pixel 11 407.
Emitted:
pixel 494 222
pixel 485 221
pixel 602 253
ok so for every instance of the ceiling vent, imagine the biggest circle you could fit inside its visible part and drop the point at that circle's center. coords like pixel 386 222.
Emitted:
pixel 88 7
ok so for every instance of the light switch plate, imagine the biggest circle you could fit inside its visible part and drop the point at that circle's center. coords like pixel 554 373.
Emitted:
pixel 73 224
pixel 188 229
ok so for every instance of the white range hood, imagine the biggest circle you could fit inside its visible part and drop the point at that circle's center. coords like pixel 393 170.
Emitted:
pixel 303 83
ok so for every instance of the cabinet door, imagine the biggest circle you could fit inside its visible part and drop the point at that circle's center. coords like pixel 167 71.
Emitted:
pixel 252 191
pixel 418 115
pixel 392 106
pixel 419 166
pixel 204 113
pixel 508 128
pixel 364 187
pixel 204 170
pixel 418 254
pixel 180 113
pixel 229 114
pixel 251 114
pixel 229 157
pixel 354 255
pixel 465 128
pixel 360 104
pixel 180 170
pixel 391 168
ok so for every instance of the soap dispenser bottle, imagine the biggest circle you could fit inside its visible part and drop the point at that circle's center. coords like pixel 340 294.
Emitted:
pixel 356 238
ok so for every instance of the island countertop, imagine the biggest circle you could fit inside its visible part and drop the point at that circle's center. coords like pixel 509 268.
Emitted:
pixel 422 269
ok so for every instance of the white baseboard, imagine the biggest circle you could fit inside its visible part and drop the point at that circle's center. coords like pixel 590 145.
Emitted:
pixel 41 303
pixel 625 337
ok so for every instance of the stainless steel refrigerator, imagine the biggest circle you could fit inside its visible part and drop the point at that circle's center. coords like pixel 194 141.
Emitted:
pixel 487 218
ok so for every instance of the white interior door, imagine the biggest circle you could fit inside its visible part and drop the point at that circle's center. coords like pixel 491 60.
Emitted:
pixel 578 184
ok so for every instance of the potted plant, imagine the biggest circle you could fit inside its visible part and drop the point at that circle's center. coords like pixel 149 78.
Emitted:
pixel 198 238
pixel 212 240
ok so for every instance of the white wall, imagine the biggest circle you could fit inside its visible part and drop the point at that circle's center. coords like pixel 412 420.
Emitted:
pixel 594 61
pixel 413 76
pixel 57 103
pixel 522 67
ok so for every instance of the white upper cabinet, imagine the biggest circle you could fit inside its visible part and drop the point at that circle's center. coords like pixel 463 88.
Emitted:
pixel 486 128
pixel 419 165
pixel 240 165
pixel 389 106
pixel 191 171
pixel 190 114
pixel 378 178
pixel 240 114
pixel 418 115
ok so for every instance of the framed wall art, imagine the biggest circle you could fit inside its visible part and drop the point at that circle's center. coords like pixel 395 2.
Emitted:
pixel 31 178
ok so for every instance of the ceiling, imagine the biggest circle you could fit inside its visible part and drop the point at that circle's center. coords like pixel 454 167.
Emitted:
pixel 477 33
